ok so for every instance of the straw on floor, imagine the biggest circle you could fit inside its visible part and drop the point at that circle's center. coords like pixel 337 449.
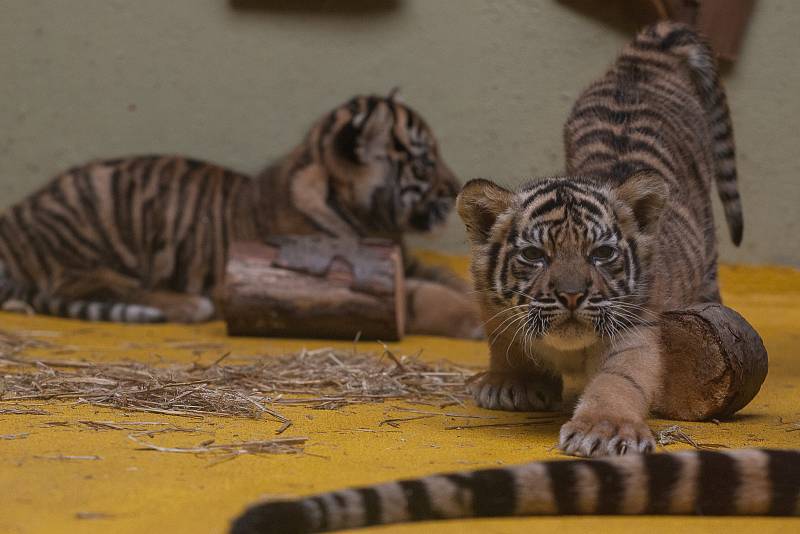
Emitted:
pixel 324 378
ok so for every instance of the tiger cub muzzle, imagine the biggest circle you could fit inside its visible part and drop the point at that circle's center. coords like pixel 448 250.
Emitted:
pixel 433 210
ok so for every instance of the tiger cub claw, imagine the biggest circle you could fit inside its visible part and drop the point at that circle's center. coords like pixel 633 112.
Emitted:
pixel 522 393
pixel 603 437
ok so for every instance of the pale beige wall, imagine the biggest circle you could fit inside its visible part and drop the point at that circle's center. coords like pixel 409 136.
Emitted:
pixel 239 81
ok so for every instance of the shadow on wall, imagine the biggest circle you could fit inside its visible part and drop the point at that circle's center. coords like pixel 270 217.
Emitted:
pixel 324 7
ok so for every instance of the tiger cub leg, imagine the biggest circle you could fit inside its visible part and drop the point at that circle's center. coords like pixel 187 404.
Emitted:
pixel 610 418
pixel 520 392
pixel 438 310
pixel 99 283
pixel 178 307
pixel 709 291
pixel 106 285
pixel 435 273
pixel 516 384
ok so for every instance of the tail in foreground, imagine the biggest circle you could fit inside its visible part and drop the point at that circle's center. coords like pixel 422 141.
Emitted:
pixel 736 482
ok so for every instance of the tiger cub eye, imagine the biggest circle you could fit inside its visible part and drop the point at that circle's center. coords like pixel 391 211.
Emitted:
pixel 604 253
pixel 533 254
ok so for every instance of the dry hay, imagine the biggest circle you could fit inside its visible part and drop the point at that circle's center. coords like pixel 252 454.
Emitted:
pixel 675 434
pixel 228 451
pixel 12 344
pixel 209 447
pixel 22 435
pixel 322 379
pixel 793 426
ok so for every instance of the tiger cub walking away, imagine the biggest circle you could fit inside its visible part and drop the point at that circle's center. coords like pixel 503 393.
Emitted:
pixel 145 239
pixel 571 272
pixel 736 482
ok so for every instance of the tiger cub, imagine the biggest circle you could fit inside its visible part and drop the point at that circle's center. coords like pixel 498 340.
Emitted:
pixel 572 271
pixel 735 482
pixel 145 239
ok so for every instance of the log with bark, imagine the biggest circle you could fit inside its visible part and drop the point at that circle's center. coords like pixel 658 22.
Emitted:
pixel 715 363
pixel 311 286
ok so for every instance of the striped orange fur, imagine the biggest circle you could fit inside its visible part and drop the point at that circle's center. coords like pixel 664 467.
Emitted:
pixel 572 271
pixel 736 482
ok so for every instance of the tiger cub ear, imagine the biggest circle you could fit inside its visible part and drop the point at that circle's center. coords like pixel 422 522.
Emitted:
pixel 479 204
pixel 646 194
pixel 366 136
pixel 376 134
pixel 394 95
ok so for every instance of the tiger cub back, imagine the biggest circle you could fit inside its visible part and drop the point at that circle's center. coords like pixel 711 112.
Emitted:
pixel 661 109
pixel 92 243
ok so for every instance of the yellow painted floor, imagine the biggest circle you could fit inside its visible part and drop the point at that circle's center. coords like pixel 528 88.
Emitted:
pixel 125 490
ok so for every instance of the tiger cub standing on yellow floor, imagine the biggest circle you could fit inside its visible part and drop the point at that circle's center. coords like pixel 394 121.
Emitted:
pixel 145 239
pixel 571 272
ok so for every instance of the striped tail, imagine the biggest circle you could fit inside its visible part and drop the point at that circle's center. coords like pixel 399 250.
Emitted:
pixel 681 40
pixel 736 482
pixel 13 297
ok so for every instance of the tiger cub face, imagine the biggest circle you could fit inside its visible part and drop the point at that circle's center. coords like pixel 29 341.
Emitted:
pixel 568 259
pixel 385 166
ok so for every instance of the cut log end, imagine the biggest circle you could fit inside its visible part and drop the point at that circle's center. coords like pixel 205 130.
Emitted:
pixel 715 363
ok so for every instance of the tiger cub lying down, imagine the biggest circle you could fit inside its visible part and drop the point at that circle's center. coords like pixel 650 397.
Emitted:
pixel 573 271
pixel 145 239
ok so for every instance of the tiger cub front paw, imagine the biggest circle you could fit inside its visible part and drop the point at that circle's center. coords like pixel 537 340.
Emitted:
pixel 605 436
pixel 517 392
pixel 189 309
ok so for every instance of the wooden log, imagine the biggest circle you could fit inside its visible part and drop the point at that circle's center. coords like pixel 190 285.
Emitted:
pixel 310 286
pixel 715 363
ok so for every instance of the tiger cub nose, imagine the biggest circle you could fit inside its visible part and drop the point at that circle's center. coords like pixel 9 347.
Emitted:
pixel 571 300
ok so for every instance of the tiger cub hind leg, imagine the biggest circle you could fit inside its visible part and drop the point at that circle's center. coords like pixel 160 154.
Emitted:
pixel 521 392
pixel 98 294
pixel 179 307
pixel 18 299
pixel 105 284
pixel 146 307
pixel 435 309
